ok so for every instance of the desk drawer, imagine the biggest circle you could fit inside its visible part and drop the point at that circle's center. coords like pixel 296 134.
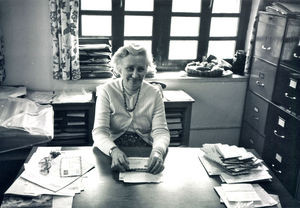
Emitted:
pixel 262 78
pixel 283 130
pixel 287 89
pixel 285 168
pixel 270 31
pixel 256 112
pixel 251 139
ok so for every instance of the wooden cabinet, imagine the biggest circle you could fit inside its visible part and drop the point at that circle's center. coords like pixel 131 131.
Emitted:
pixel 73 123
pixel 271 121
pixel 178 107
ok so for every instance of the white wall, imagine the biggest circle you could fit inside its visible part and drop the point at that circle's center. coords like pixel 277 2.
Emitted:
pixel 26 30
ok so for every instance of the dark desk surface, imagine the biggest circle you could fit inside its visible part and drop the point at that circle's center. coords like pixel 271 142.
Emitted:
pixel 186 184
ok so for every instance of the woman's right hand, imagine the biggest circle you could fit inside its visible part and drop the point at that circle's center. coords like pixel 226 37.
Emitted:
pixel 119 160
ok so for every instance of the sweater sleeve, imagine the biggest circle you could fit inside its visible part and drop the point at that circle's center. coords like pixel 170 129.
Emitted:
pixel 101 131
pixel 160 132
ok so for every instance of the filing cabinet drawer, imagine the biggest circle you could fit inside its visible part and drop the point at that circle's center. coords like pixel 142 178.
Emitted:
pixel 256 112
pixel 286 169
pixel 270 31
pixel 251 139
pixel 262 78
pixel 283 130
pixel 291 45
pixel 287 90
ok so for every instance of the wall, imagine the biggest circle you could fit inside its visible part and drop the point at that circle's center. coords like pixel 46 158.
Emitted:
pixel 217 112
pixel 26 31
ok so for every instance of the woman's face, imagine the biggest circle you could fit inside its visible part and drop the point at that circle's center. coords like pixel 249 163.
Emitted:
pixel 133 70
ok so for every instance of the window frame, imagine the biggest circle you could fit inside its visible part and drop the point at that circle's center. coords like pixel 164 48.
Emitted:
pixel 162 14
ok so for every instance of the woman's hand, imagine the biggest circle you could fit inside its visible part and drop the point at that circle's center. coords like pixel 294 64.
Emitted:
pixel 119 160
pixel 155 163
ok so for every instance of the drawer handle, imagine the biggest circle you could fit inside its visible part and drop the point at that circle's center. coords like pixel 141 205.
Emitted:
pixel 255 118
pixel 266 48
pixel 280 136
pixel 251 141
pixel 259 83
pixel 290 97
pixel 295 55
pixel 277 171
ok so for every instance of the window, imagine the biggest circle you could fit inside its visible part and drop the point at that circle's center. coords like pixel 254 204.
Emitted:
pixel 176 31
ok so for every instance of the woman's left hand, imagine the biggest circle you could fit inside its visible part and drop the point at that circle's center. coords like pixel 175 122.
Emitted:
pixel 155 163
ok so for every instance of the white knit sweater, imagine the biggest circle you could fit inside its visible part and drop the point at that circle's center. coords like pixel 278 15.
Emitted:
pixel 112 120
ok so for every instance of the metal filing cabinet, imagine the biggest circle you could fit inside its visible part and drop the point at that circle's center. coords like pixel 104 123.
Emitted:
pixel 271 121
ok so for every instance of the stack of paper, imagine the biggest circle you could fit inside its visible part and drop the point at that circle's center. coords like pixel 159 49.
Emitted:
pixel 244 195
pixel 62 182
pixel 233 164
pixel 73 96
pixel 137 172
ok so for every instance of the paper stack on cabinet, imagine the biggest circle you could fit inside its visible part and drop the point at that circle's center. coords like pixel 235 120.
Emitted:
pixel 233 164
pixel 244 196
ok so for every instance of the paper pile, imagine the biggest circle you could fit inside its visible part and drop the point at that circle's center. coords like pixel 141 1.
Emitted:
pixel 244 195
pixel 233 164
pixel 60 178
pixel 137 172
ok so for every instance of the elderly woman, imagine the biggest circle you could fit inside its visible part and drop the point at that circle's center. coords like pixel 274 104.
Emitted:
pixel 130 111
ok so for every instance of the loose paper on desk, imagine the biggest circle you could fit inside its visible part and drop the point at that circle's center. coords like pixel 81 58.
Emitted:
pixel 140 177
pixel 263 200
pixel 137 173
pixel 53 180
pixel 138 163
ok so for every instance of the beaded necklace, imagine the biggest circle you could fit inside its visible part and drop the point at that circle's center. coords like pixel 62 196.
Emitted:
pixel 125 103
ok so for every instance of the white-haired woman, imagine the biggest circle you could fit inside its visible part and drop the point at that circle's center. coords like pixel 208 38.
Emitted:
pixel 130 111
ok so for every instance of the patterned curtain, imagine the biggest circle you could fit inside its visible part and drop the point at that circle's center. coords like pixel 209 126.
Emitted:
pixel 2 70
pixel 64 31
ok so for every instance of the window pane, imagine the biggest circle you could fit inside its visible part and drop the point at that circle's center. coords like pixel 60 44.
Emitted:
pixel 183 49
pixel 93 25
pixel 96 5
pixel 146 43
pixel 139 5
pixel 186 6
pixel 223 26
pixel 138 25
pixel 221 49
pixel 185 26
pixel 226 6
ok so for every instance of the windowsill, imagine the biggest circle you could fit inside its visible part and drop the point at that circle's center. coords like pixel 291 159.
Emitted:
pixel 182 75
pixel 176 75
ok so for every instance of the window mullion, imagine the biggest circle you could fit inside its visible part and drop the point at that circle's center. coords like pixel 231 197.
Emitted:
pixel 117 24
pixel 161 35
pixel 243 24
pixel 206 13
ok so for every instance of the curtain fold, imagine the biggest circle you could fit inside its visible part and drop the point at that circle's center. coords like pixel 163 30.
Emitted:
pixel 2 69
pixel 64 31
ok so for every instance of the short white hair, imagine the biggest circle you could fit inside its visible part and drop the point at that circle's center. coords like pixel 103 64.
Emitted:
pixel 134 50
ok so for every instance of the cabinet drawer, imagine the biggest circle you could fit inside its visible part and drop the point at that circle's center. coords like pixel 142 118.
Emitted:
pixel 270 31
pixel 256 112
pixel 262 78
pixel 291 45
pixel 287 90
pixel 251 139
pixel 283 130
pixel 286 169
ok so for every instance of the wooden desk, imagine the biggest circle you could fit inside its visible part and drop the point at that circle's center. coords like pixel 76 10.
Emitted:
pixel 186 184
